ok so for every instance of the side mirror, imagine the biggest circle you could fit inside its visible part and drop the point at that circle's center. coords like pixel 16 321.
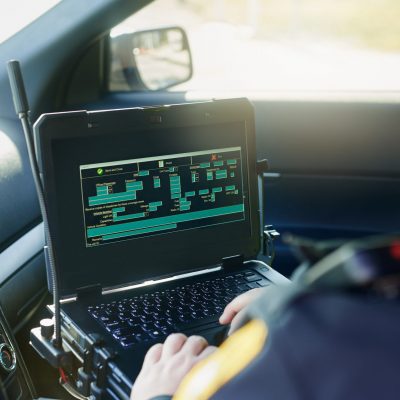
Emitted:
pixel 153 59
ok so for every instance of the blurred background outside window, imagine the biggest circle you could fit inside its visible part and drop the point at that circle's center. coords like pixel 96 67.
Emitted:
pixel 283 45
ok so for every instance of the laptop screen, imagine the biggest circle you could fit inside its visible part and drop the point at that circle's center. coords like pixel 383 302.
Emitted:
pixel 130 199
pixel 141 194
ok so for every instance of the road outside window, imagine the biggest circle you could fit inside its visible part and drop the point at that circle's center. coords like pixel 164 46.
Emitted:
pixel 283 45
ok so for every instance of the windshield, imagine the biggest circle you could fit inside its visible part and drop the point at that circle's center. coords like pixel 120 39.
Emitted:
pixel 17 14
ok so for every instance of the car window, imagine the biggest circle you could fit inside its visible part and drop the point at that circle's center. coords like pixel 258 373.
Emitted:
pixel 16 14
pixel 275 45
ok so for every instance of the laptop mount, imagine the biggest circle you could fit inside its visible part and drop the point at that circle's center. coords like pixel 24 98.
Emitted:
pixel 268 233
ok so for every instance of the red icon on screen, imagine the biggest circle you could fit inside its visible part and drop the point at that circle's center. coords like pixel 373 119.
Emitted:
pixel 213 157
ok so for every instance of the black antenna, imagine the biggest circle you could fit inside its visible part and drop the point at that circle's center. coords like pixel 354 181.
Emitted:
pixel 22 109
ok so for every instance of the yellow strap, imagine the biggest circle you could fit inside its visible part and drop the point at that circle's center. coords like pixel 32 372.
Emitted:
pixel 209 375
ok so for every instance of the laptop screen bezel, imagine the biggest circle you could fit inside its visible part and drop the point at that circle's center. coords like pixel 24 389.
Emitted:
pixel 53 128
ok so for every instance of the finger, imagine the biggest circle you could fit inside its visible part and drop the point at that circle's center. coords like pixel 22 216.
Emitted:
pixel 236 322
pixel 227 316
pixel 173 344
pixel 236 305
pixel 207 352
pixel 232 309
pixel 195 345
pixel 153 355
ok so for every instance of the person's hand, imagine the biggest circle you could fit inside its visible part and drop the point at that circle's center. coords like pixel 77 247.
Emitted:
pixel 234 309
pixel 165 365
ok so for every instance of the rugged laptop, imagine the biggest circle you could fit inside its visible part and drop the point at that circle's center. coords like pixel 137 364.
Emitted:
pixel 155 218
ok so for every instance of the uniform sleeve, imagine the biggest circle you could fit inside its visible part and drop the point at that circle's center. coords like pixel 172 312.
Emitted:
pixel 325 346
pixel 267 377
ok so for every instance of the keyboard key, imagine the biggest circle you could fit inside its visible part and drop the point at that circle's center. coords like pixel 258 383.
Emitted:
pixel 137 329
pixel 145 319
pixel 167 330
pixel 123 314
pixel 252 278
pixel 172 313
pixel 149 310
pixel 148 327
pixel 185 317
pixel 122 332
pixel 209 321
pixel 135 320
pixel 208 304
pixel 108 321
pixel 196 307
pixel 128 341
pixel 111 326
pixel 95 313
pixel 155 334
pixel 162 324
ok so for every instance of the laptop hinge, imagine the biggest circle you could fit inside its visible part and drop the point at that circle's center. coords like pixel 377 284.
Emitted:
pixel 89 292
pixel 233 262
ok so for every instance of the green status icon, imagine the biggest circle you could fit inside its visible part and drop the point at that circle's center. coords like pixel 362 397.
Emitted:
pixel 100 171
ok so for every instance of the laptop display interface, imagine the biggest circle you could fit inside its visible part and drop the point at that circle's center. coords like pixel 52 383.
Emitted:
pixel 129 199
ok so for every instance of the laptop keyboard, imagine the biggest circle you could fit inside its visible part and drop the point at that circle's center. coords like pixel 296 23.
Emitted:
pixel 154 315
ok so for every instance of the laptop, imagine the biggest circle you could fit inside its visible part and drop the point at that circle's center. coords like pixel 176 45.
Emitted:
pixel 155 218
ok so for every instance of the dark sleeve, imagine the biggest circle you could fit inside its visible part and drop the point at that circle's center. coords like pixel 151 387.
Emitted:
pixel 268 377
pixel 325 346
pixel 162 397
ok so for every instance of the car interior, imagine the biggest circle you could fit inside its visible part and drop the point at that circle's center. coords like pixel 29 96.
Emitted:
pixel 333 164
